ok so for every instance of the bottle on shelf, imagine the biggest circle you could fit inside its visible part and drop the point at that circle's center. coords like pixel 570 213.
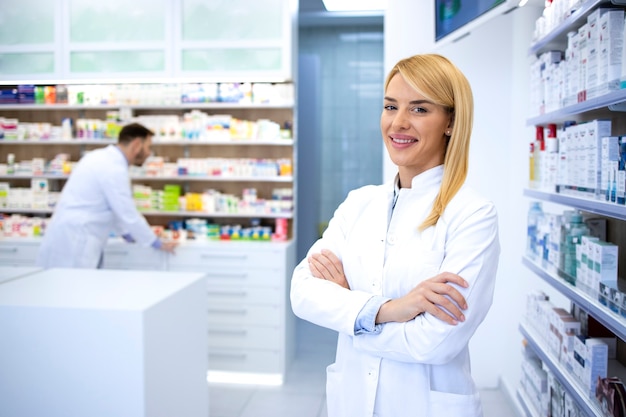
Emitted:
pixel 577 229
pixel 535 215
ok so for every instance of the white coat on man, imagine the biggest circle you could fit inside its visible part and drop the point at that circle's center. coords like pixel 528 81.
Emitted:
pixel 420 368
pixel 95 201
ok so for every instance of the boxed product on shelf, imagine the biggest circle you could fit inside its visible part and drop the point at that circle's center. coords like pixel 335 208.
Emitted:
pixel 591 362
pixel 610 295
pixel 535 382
pixel 605 257
pixel 611 49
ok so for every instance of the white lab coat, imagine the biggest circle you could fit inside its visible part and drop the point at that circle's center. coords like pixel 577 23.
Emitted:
pixel 95 201
pixel 422 367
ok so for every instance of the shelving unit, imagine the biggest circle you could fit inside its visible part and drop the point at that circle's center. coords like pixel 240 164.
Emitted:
pixel 170 148
pixel 607 106
pixel 587 301
pixel 586 404
pixel 254 275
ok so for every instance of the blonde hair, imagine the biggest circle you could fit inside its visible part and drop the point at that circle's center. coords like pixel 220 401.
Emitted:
pixel 439 80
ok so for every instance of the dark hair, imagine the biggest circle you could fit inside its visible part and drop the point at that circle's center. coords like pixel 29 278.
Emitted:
pixel 132 131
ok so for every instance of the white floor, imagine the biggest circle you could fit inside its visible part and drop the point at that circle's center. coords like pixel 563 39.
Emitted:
pixel 302 394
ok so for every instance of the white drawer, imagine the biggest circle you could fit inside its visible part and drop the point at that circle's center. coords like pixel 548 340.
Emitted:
pixel 233 295
pixel 213 256
pixel 130 256
pixel 245 360
pixel 241 276
pixel 18 253
pixel 250 337
pixel 242 316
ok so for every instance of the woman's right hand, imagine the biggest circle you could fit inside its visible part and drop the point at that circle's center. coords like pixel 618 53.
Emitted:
pixel 435 295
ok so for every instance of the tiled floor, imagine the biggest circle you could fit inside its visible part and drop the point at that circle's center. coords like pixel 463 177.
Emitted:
pixel 302 394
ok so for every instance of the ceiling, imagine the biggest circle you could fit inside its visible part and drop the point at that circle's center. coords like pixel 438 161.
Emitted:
pixel 313 13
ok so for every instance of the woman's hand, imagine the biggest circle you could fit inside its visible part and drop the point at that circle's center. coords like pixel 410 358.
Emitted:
pixel 326 265
pixel 435 296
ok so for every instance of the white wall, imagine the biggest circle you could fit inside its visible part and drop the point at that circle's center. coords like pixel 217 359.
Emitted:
pixel 495 60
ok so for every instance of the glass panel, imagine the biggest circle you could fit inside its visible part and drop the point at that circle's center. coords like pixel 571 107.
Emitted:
pixel 117 61
pixel 352 75
pixel 27 21
pixel 29 63
pixel 222 59
pixel 232 19
pixel 117 20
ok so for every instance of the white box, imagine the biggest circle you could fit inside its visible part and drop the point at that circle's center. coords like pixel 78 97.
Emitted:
pixel 609 157
pixel 604 262
pixel 611 45
pixel 596 364
pixel 595 131
pixel 104 343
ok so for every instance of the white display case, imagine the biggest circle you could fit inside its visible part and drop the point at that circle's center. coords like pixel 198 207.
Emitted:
pixel 104 343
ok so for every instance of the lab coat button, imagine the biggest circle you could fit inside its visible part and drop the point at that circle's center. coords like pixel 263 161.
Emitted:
pixel 391 239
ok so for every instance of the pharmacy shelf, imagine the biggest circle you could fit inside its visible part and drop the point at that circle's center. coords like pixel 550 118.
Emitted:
pixel 593 206
pixel 202 214
pixel 30 176
pixel 527 407
pixel 172 142
pixel 44 142
pixel 198 214
pixel 214 105
pixel 588 405
pixel 189 178
pixel 235 142
pixel 25 211
pixel 557 38
pixel 586 301
pixel 214 178
pixel 613 100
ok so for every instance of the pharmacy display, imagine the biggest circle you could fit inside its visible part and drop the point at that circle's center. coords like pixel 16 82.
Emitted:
pixel 577 188
pixel 210 162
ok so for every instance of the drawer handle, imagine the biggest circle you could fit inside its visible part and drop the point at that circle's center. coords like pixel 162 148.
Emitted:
pixel 229 293
pixel 116 252
pixel 232 257
pixel 8 250
pixel 238 356
pixel 241 312
pixel 229 332
pixel 216 275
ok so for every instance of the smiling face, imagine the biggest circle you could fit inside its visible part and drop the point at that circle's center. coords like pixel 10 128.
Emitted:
pixel 415 130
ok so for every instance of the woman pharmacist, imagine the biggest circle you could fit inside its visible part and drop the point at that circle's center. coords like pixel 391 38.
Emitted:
pixel 405 271
pixel 97 200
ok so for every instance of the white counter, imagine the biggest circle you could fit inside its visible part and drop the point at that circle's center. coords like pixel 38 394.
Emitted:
pixel 104 343
pixel 8 273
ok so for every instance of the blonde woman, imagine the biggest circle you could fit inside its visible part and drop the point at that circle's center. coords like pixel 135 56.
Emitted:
pixel 405 271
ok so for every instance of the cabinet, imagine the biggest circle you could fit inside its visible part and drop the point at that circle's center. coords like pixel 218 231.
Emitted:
pixel 608 104
pixel 251 326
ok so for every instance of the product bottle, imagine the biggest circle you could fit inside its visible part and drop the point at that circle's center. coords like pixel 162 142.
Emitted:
pixel 620 187
pixel 566 221
pixel 577 229
pixel 539 150
pixel 535 215
pixel 531 167
pixel 10 164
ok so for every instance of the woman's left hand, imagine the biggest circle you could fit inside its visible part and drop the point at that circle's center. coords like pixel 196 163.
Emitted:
pixel 326 265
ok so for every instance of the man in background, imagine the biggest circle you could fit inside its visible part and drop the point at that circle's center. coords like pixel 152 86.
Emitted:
pixel 97 200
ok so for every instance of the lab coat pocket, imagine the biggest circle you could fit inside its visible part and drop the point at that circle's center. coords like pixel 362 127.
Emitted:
pixel 445 404
pixel 426 265
pixel 335 402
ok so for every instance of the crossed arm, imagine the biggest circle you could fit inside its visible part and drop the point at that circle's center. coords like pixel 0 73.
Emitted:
pixel 435 295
